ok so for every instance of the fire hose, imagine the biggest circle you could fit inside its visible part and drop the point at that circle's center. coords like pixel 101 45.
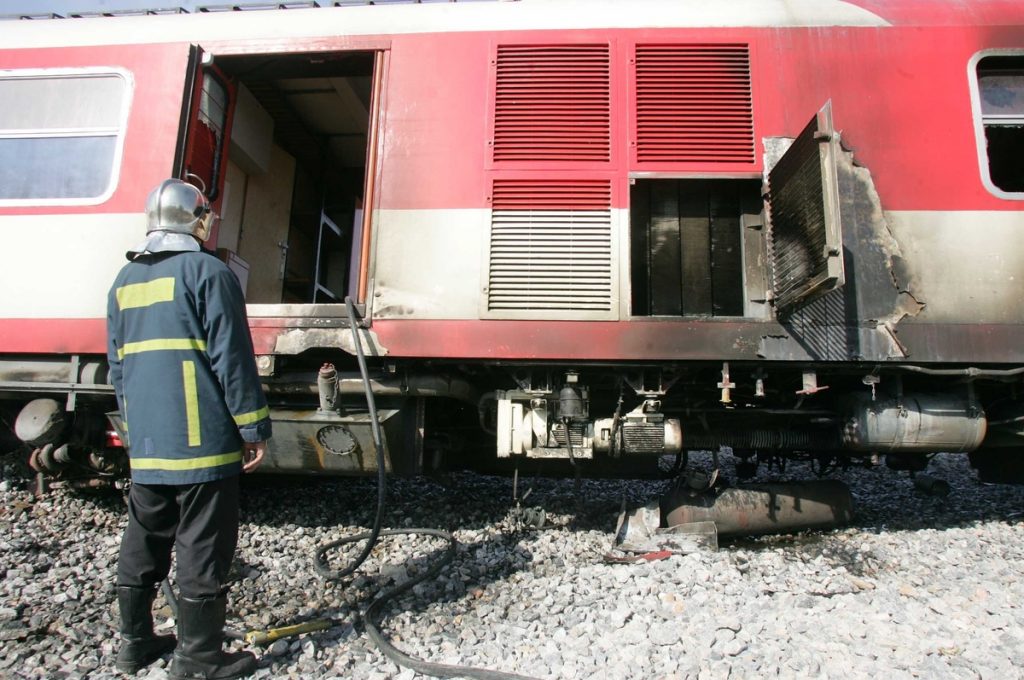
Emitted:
pixel 375 609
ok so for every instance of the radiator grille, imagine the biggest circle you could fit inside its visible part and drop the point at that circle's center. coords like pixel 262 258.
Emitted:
pixel 694 104
pixel 576 431
pixel 551 246
pixel 644 437
pixel 552 103
pixel 798 233
pixel 805 238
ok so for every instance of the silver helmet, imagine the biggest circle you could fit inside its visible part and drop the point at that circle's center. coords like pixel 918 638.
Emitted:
pixel 178 207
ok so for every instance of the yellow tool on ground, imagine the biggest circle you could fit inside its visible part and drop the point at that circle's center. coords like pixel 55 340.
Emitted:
pixel 263 637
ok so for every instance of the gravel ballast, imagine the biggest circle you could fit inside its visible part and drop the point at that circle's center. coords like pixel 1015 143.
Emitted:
pixel 917 587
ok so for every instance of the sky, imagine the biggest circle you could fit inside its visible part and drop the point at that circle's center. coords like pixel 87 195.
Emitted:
pixel 9 7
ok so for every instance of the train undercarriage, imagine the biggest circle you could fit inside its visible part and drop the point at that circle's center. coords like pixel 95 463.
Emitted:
pixel 602 420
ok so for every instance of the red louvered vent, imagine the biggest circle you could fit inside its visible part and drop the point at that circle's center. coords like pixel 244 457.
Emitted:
pixel 530 194
pixel 694 104
pixel 552 103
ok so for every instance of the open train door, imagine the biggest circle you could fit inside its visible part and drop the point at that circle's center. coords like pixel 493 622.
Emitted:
pixel 805 241
pixel 208 106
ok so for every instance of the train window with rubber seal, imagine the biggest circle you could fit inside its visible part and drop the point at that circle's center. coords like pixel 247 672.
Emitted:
pixel 61 135
pixel 997 92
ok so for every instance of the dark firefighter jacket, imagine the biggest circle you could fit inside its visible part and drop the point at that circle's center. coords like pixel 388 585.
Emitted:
pixel 182 366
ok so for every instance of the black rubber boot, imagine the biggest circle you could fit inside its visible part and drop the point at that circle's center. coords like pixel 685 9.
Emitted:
pixel 141 647
pixel 200 638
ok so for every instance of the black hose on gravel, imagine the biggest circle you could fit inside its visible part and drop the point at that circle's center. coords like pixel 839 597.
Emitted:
pixel 376 608
pixel 375 611
pixel 382 476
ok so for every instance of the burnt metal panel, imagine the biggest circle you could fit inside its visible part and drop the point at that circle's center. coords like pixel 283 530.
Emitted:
pixel 755 267
pixel 666 244
pixel 726 252
pixel 687 251
pixel 640 246
pixel 695 228
pixel 859 319
pixel 805 237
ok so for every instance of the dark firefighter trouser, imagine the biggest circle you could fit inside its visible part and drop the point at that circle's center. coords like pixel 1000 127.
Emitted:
pixel 199 521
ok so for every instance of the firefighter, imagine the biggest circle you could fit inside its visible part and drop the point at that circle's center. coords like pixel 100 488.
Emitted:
pixel 182 365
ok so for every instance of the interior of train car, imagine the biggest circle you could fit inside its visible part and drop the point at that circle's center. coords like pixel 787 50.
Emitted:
pixel 294 182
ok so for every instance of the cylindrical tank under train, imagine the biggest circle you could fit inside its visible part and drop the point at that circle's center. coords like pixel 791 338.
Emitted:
pixel 762 508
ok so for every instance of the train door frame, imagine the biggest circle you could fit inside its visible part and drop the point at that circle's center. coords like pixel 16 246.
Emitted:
pixel 201 70
pixel 205 62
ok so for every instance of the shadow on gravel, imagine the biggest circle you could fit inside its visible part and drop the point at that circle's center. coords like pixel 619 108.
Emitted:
pixel 885 501
pixel 493 547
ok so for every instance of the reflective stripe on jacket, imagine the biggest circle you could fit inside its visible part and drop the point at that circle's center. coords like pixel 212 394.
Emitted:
pixel 182 366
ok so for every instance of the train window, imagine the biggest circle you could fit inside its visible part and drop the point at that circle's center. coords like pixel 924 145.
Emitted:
pixel 60 135
pixel 1000 107
pixel 213 104
pixel 206 143
pixel 686 251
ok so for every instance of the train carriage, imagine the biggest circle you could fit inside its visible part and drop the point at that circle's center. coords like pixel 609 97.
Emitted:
pixel 596 232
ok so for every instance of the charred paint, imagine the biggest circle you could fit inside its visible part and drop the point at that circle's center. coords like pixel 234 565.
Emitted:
pixel 287 339
pixel 857 321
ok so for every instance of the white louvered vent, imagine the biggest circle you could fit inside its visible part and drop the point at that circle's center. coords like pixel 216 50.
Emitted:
pixel 550 260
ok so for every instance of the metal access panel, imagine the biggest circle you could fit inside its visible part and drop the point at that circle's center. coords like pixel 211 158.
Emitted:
pixel 805 238
pixel 313 442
